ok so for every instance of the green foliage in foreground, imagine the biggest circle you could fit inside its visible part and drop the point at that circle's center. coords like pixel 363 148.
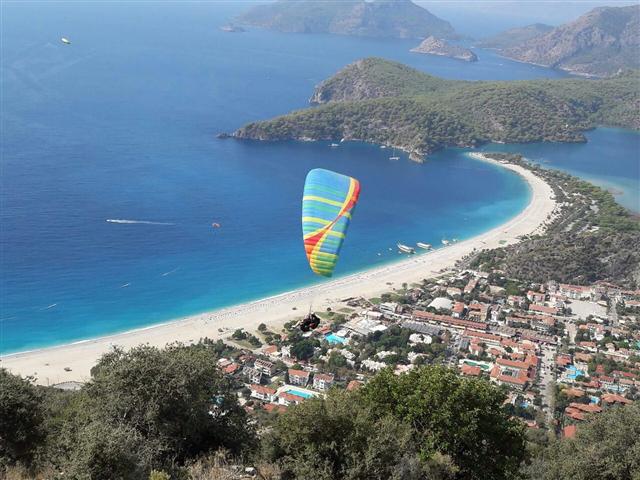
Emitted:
pixel 20 419
pixel 428 423
pixel 605 447
pixel 378 101
pixel 143 409
pixel 164 414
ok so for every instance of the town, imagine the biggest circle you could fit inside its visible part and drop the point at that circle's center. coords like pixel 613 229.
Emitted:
pixel 561 352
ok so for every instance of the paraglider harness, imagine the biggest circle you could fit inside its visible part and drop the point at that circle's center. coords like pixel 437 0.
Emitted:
pixel 310 322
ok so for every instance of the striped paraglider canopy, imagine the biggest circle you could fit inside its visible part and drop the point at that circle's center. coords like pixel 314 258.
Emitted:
pixel 327 205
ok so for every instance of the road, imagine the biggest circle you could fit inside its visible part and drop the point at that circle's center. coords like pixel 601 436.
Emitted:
pixel 548 381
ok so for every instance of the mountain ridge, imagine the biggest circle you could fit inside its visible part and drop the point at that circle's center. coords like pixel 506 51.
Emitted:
pixel 601 43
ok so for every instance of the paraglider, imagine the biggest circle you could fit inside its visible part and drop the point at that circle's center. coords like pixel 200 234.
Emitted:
pixel 215 225
pixel 328 203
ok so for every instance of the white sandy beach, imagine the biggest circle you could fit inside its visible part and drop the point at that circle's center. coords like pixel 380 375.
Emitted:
pixel 48 364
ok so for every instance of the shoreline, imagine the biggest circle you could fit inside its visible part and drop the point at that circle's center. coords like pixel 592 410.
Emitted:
pixel 47 364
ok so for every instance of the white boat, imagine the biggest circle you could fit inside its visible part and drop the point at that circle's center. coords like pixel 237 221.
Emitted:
pixel 445 242
pixel 334 145
pixel 426 246
pixel 66 41
pixel 395 155
pixel 405 248
pixel 342 140
pixel 394 158
pixel 383 146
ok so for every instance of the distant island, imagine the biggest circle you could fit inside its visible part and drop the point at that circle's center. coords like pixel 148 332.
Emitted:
pixel 384 102
pixel 436 46
pixel 601 43
pixel 371 18
pixel 515 36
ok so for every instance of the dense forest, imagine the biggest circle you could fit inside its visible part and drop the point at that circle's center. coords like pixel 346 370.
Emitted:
pixel 593 239
pixel 160 414
pixel 384 102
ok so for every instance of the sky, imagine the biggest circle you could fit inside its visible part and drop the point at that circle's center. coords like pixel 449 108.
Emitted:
pixel 481 18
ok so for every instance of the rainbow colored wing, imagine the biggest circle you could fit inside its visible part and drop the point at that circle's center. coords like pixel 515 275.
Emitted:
pixel 327 205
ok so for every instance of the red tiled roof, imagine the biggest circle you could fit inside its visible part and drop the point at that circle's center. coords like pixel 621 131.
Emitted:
pixel 543 309
pixel 262 389
pixel 291 397
pixel 298 373
pixel 231 368
pixel 471 370
pixel 449 320
pixel 614 398
pixel 589 408
pixel 354 385
pixel 512 363
pixel 482 335
pixel 323 376
pixel 569 431
pixel 573 392
pixel 574 413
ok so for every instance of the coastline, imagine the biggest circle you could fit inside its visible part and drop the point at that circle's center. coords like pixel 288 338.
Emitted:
pixel 48 365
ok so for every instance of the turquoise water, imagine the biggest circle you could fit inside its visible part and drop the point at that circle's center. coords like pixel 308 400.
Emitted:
pixel 333 338
pixel 299 393
pixel 574 372
pixel 609 159
pixel 121 125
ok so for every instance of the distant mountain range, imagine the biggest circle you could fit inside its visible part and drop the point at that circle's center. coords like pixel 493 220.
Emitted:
pixel 371 18
pixel 515 36
pixel 600 43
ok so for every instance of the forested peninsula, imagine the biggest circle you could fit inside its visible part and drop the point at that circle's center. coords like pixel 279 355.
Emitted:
pixel 380 101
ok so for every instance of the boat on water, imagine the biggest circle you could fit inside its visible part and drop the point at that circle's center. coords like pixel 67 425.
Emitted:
pixel 406 248
pixel 334 145
pixel 426 246
pixel 394 158
pixel 446 242
pixel 65 40
pixel 395 155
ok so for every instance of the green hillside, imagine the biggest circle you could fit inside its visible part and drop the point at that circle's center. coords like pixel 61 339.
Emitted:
pixel 379 101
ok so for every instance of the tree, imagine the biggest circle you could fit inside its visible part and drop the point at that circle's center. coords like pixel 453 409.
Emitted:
pixel 21 419
pixel 105 452
pixel 304 349
pixel 176 400
pixel 461 418
pixel 336 438
pixel 606 445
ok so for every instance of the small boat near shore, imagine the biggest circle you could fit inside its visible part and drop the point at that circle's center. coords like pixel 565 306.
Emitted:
pixel 334 145
pixel 405 248
pixel 446 242
pixel 426 246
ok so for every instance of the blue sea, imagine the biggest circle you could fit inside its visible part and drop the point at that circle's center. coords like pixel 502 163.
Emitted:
pixel 120 125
